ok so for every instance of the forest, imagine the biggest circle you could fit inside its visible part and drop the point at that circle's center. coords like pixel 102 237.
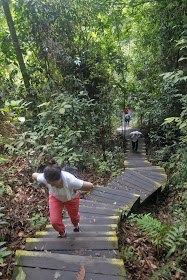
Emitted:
pixel 67 71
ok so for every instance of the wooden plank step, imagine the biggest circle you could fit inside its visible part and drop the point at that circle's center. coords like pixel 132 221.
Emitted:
pixel 69 263
pixel 46 234
pixel 135 184
pixel 131 174
pixel 86 202
pixel 98 210
pixel 136 191
pixel 96 220
pixel 36 273
pixel 158 176
pixel 109 190
pixel 55 244
pixel 93 215
pixel 140 155
pixel 130 164
pixel 113 197
pixel 99 253
pixel 108 200
pixel 87 227
pixel 138 177
pixel 152 168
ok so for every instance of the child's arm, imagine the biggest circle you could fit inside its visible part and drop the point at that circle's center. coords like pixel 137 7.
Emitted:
pixel 35 175
pixel 87 186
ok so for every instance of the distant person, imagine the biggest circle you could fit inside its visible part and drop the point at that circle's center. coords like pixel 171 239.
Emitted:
pixel 127 118
pixel 63 192
pixel 134 137
pixel 126 111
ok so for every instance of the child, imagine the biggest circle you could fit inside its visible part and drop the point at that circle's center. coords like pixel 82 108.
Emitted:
pixel 63 191
pixel 134 137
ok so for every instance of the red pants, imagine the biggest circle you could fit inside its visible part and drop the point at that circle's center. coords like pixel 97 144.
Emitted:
pixel 56 206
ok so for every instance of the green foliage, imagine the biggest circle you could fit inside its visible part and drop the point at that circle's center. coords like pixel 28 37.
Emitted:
pixel 2 223
pixel 166 270
pixel 3 250
pixel 171 237
pixel 126 211
pixel 37 221
pixel 153 228
pixel 128 255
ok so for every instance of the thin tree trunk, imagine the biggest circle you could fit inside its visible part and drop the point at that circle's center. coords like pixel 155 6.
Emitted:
pixel 16 43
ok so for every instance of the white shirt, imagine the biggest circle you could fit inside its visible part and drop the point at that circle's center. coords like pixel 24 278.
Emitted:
pixel 135 135
pixel 70 182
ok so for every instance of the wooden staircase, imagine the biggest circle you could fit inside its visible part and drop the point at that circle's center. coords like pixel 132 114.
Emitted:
pixel 94 250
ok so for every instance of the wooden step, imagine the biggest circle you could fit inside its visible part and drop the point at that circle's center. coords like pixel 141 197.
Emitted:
pixel 96 220
pixel 97 198
pixel 57 244
pixel 87 227
pixel 138 177
pixel 90 203
pixel 93 215
pixel 53 234
pixel 113 197
pixel 98 210
pixel 157 176
pixel 133 186
pixel 99 253
pixel 118 195
pixel 123 194
pixel 66 266
pixel 37 273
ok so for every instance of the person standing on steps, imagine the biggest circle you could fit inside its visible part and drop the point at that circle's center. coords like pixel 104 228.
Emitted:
pixel 134 137
pixel 63 192
pixel 127 118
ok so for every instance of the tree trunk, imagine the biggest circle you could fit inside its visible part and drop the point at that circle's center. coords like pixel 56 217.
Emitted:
pixel 16 43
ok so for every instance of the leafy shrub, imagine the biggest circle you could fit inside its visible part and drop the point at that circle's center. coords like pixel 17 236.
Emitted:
pixel 37 221
pixel 128 255
pixel 3 250
pixel 171 237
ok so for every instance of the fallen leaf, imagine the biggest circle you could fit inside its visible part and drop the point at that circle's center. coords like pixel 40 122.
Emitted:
pixel 153 265
pixel 20 234
pixel 177 274
pixel 128 240
pixel 81 274
pixel 3 264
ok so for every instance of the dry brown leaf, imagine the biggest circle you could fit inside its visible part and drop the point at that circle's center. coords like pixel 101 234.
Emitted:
pixel 21 233
pixel 3 264
pixel 81 274
pixel 128 240
pixel 177 274
pixel 153 265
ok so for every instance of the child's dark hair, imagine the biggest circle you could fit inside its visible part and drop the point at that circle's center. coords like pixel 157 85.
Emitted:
pixel 52 172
